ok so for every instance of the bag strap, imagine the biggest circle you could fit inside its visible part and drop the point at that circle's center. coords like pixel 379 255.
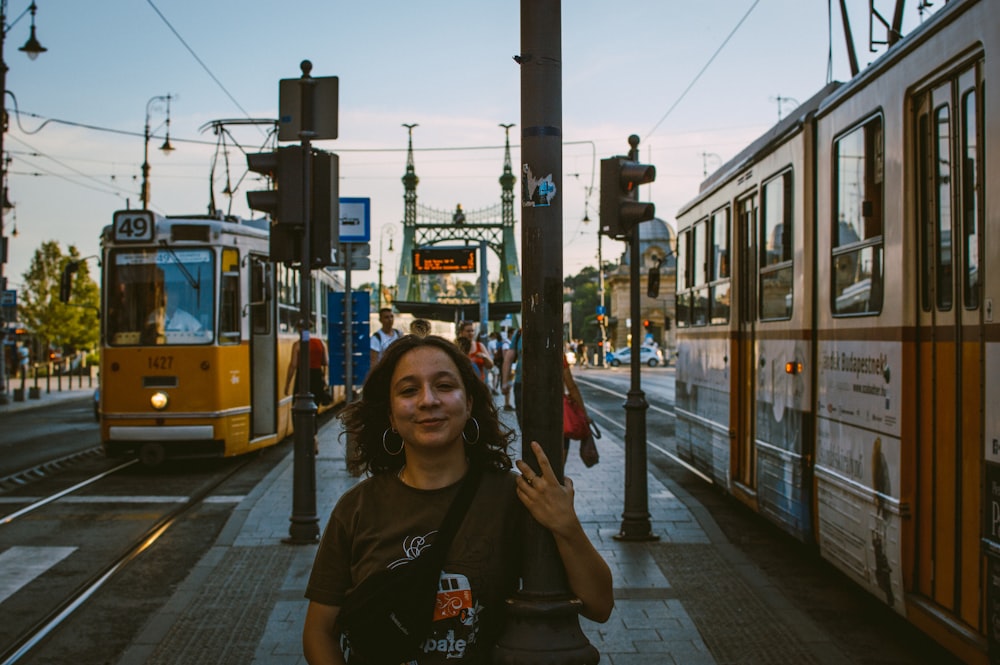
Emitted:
pixel 453 519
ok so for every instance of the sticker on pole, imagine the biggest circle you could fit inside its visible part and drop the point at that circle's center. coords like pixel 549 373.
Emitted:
pixel 538 192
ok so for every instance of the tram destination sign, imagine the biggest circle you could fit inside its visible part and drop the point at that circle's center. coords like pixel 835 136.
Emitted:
pixel 444 259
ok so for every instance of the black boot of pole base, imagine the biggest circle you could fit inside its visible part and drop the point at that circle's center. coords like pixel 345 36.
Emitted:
pixel 304 527
pixel 544 632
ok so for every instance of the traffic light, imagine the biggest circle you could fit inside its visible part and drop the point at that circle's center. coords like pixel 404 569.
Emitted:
pixel 66 281
pixel 283 202
pixel 600 319
pixel 645 324
pixel 620 211
pixel 324 222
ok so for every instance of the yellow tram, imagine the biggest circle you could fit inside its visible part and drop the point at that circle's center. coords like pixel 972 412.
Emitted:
pixel 839 361
pixel 196 337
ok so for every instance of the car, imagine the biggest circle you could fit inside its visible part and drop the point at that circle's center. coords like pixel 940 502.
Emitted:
pixel 647 356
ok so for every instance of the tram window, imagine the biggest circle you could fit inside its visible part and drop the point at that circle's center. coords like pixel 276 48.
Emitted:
pixel 720 233
pixel 260 300
pixel 699 253
pixel 160 296
pixel 776 248
pixel 970 199
pixel 699 306
pixel 229 298
pixel 856 284
pixel 942 208
pixel 683 309
pixel 719 304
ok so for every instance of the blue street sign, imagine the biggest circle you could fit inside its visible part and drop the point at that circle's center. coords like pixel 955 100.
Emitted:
pixel 360 337
pixel 355 220
pixel 600 309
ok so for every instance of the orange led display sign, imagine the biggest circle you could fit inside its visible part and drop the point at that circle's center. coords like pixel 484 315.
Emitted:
pixel 441 260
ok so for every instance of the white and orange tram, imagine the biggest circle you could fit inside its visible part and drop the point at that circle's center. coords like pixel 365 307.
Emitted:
pixel 838 359
pixel 196 337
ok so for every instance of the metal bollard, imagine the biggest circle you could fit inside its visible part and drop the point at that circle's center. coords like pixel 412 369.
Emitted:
pixel 48 379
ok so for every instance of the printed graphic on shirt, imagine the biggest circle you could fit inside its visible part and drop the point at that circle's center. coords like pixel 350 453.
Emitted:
pixel 456 619
pixel 412 547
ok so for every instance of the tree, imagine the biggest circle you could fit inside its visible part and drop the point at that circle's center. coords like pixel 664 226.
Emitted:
pixel 67 326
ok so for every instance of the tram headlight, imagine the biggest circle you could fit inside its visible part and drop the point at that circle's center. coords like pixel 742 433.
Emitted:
pixel 159 401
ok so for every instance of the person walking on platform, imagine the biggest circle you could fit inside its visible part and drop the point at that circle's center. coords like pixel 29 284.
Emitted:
pixel 385 335
pixel 318 364
pixel 428 431
pixel 482 363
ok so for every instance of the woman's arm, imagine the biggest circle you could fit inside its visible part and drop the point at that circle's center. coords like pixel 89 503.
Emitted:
pixel 319 641
pixel 551 504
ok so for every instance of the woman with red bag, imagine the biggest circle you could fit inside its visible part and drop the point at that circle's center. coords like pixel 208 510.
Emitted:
pixel 576 420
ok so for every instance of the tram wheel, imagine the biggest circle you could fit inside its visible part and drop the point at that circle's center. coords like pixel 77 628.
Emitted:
pixel 152 454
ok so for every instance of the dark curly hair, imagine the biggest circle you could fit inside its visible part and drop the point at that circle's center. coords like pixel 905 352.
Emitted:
pixel 367 419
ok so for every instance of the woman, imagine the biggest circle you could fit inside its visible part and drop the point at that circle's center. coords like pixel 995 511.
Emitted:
pixel 424 420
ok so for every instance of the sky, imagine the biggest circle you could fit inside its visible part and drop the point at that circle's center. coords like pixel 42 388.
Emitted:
pixel 673 72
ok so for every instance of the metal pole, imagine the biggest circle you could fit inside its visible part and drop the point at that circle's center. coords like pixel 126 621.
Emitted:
pixel 304 527
pixel 604 317
pixel 543 623
pixel 3 198
pixel 484 291
pixel 635 519
pixel 347 255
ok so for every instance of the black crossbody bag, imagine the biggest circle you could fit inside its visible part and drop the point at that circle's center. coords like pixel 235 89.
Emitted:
pixel 386 616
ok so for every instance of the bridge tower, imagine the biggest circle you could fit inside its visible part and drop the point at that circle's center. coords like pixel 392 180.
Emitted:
pixel 424 227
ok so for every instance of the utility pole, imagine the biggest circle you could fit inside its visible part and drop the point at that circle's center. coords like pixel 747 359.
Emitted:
pixel 543 623
pixel 635 519
pixel 304 527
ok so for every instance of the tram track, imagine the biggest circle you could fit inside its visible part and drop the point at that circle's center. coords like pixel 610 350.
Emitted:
pixel 23 645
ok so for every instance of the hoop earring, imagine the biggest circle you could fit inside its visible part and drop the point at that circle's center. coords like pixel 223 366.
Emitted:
pixel 386 447
pixel 469 441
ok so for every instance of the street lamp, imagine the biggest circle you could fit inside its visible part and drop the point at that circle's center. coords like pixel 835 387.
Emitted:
pixel 32 48
pixel 600 289
pixel 166 147
pixel 390 230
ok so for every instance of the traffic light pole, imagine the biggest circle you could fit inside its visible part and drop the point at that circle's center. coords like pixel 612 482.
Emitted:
pixel 304 527
pixel 543 623
pixel 635 520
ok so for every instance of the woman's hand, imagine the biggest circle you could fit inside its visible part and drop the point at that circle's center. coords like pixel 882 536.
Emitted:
pixel 550 503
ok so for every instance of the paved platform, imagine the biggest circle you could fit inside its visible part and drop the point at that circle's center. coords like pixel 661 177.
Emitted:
pixel 47 395
pixel 679 599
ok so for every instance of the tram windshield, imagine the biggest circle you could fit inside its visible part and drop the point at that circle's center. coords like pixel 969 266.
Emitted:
pixel 160 296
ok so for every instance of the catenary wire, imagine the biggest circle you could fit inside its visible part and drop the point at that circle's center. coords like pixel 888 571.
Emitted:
pixel 703 69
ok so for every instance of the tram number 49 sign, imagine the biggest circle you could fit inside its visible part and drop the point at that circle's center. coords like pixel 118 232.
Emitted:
pixel 441 260
pixel 133 226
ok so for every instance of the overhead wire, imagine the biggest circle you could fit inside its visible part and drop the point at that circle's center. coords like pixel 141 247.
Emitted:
pixel 195 56
pixel 703 69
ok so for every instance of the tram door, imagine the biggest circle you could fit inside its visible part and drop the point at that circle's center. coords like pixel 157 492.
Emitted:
pixel 744 453
pixel 263 347
pixel 950 345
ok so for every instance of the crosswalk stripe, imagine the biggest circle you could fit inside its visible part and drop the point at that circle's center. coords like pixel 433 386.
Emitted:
pixel 20 565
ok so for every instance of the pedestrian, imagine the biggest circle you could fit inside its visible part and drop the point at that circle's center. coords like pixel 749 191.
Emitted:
pixel 482 363
pixel 495 348
pixel 581 354
pixel 423 423
pixel 512 373
pixel 318 366
pixel 385 335
pixel 420 327
pixel 574 394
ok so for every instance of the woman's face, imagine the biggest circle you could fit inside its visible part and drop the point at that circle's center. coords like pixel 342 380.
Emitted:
pixel 428 404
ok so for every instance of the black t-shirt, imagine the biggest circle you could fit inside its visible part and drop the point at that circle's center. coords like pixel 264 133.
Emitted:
pixel 382 522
